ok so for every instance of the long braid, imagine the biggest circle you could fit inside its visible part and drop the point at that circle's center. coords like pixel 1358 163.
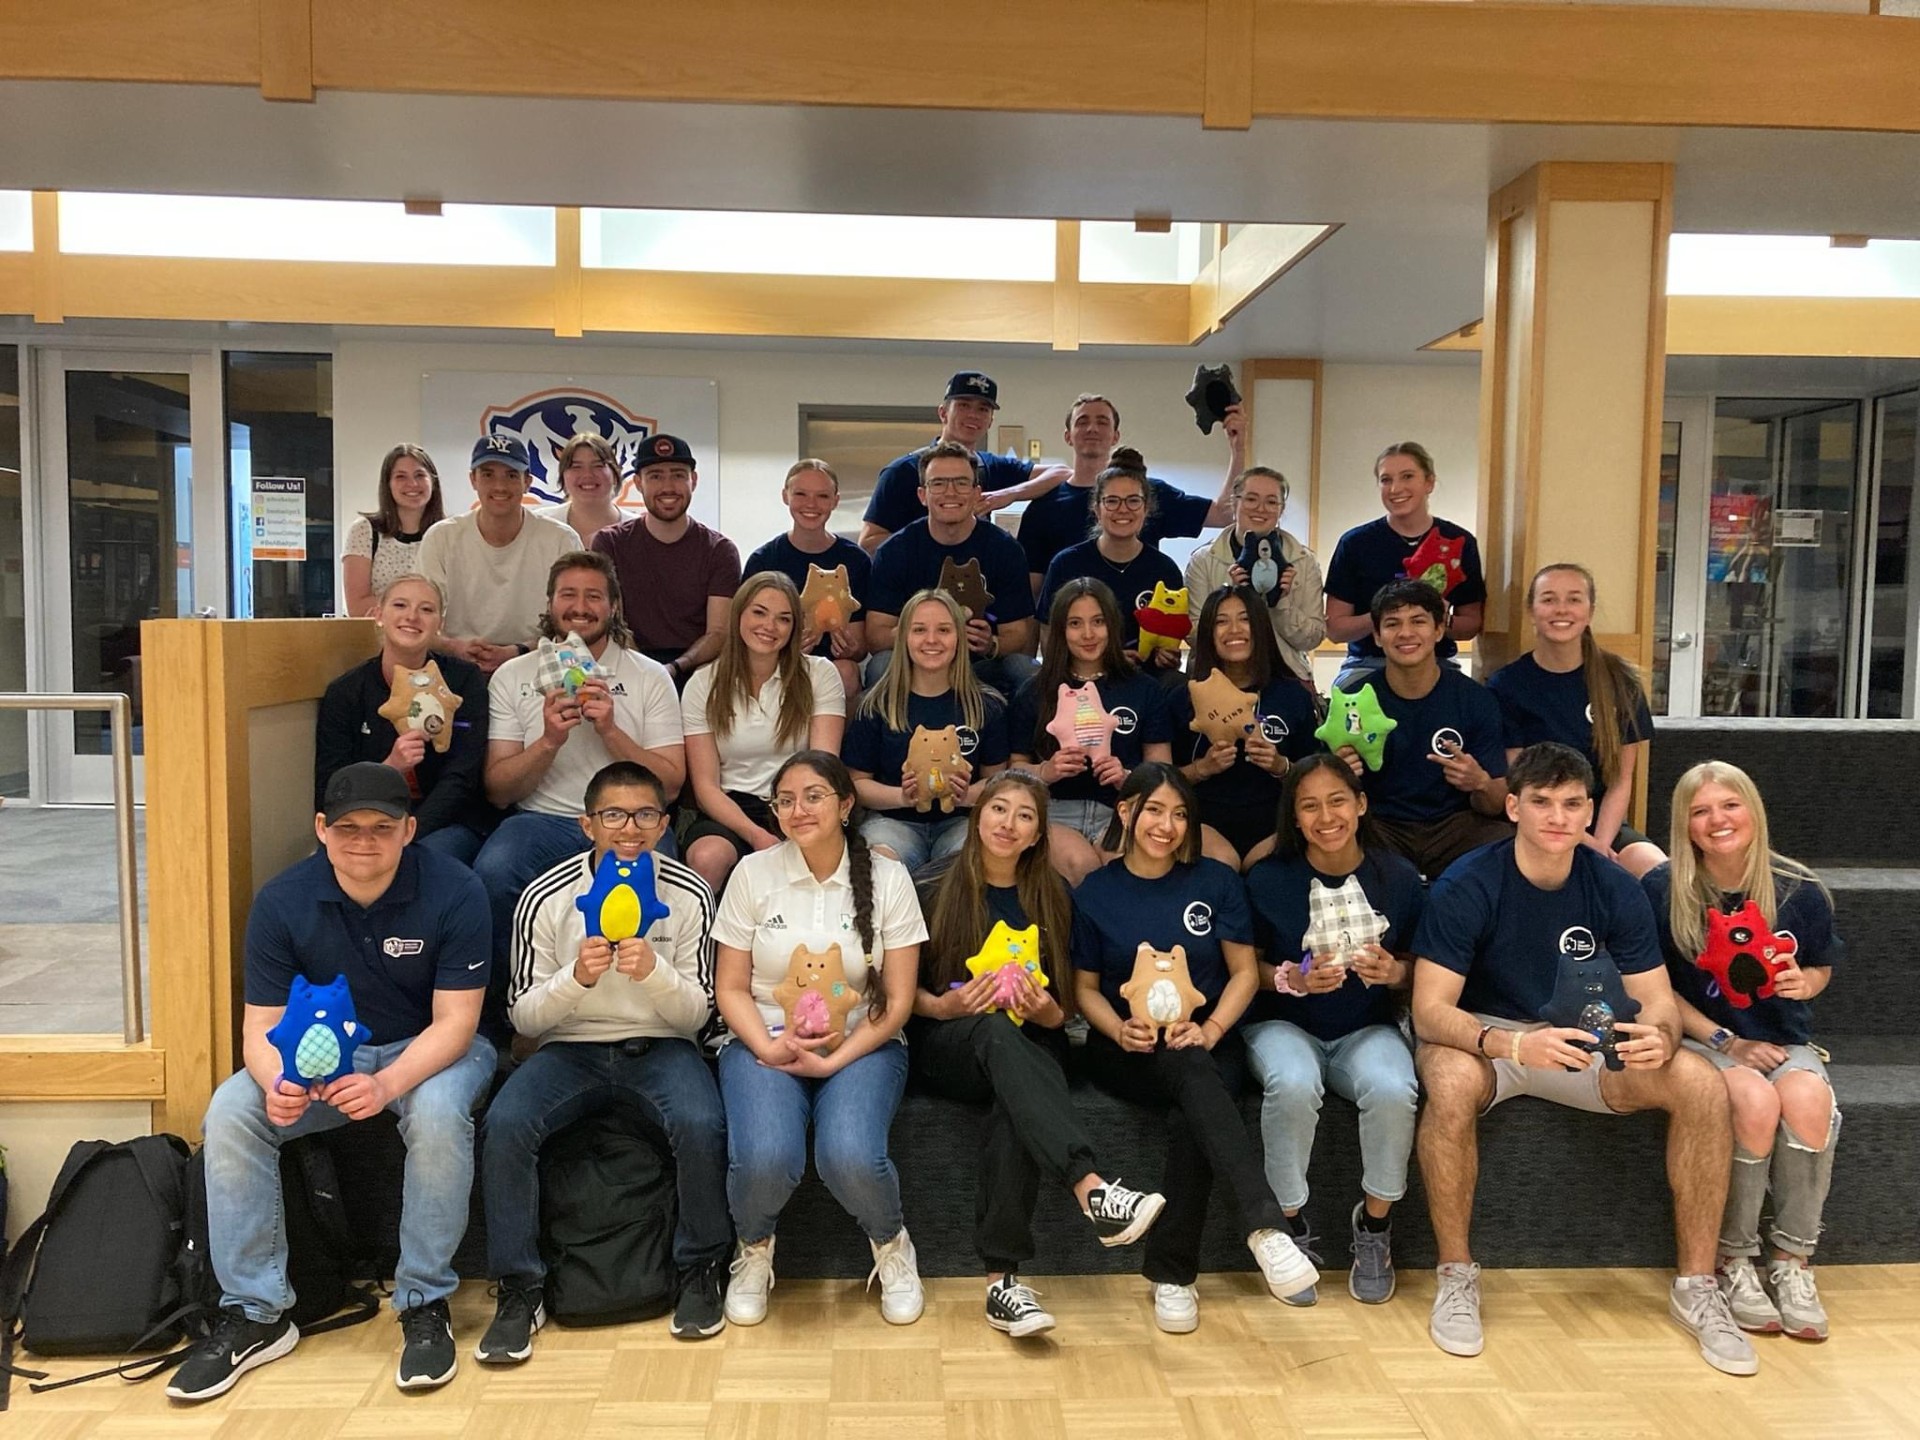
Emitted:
pixel 860 873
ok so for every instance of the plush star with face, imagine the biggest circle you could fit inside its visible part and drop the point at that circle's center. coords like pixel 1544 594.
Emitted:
pixel 1222 711
pixel 1437 561
pixel 827 602
pixel 1356 719
pixel 422 700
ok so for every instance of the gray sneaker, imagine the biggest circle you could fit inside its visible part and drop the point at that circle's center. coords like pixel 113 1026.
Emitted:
pixel 1801 1314
pixel 1455 1323
pixel 1371 1280
pixel 1698 1304
pixel 1746 1297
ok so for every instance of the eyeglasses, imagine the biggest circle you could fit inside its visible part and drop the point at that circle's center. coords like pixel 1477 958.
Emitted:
pixel 1123 502
pixel 947 483
pixel 614 818
pixel 811 800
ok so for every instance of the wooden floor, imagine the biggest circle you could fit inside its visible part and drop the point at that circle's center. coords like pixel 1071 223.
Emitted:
pixel 1569 1354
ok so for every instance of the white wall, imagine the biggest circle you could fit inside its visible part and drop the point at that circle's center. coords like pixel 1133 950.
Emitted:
pixel 1365 408
pixel 38 1135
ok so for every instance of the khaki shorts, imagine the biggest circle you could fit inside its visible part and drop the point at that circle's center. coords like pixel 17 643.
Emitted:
pixel 1575 1089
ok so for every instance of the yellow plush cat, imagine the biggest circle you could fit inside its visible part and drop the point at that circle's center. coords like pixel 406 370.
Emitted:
pixel 1007 953
pixel 1164 621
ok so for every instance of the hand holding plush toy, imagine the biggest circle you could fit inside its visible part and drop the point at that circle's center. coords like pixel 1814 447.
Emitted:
pixel 1081 722
pixel 422 700
pixel 1008 955
pixel 318 1032
pixel 1743 956
pixel 1356 720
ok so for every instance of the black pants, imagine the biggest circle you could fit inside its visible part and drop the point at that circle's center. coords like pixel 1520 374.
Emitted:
pixel 1031 1128
pixel 1206 1137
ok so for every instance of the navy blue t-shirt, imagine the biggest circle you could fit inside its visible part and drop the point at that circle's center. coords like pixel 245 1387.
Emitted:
pixel 1139 706
pixel 1488 922
pixel 872 748
pixel 1285 715
pixel 1197 906
pixel 431 931
pixel 1277 890
pixel 1410 786
pixel 910 560
pixel 1062 518
pixel 1538 705
pixel 896 493
pixel 781 554
pixel 1375 554
pixel 1131 583
pixel 1800 909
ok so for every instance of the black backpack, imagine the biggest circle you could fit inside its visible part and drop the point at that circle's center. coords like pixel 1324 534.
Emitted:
pixel 607 1214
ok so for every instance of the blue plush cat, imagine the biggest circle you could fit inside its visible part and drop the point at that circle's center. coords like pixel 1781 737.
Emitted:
pixel 318 1033
pixel 622 902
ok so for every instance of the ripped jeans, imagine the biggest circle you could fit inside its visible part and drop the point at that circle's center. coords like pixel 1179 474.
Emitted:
pixel 1797 1175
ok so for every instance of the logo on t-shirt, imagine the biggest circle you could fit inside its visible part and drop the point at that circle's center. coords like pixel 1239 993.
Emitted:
pixel 1144 600
pixel 1446 743
pixel 1124 720
pixel 619 687
pixel 1577 941
pixel 968 737
pixel 396 947
pixel 1589 714
pixel 1198 918
pixel 1273 729
pixel 776 921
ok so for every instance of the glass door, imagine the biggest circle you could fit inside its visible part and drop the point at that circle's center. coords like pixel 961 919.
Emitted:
pixel 1680 556
pixel 1891 684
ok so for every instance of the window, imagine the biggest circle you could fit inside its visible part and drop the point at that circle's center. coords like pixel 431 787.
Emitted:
pixel 280 483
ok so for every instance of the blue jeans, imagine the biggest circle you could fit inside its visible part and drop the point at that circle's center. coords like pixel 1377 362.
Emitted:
pixel 851 1111
pixel 1372 1067
pixel 565 1080
pixel 246 1225
pixel 916 843
pixel 460 842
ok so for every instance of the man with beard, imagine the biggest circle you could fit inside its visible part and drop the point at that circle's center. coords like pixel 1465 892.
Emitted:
pixel 679 575
pixel 544 747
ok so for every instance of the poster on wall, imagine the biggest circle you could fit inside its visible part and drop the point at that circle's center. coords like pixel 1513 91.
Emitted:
pixel 279 518
pixel 544 411
pixel 1738 538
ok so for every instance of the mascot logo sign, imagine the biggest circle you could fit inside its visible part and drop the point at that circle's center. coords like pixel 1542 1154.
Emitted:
pixel 547 420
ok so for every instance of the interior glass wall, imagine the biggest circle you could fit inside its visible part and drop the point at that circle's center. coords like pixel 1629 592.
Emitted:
pixel 280 482
pixel 1893 619
pixel 13 591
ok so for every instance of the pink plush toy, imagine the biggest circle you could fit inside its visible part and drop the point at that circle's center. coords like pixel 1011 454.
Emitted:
pixel 1081 720
pixel 810 1017
pixel 1006 984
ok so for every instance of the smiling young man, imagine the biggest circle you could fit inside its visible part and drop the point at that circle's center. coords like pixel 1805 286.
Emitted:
pixel 615 1023
pixel 678 575
pixel 407 928
pixel 1498 930
pixel 811 491
pixel 1438 792
pixel 488 562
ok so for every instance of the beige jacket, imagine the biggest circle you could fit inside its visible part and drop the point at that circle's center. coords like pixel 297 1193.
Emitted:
pixel 1299 620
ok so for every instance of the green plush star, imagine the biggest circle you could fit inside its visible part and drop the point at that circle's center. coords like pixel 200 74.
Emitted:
pixel 1357 720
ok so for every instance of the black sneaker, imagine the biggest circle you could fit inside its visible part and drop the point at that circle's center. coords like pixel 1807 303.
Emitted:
pixel 426 1356
pixel 1121 1216
pixel 517 1313
pixel 236 1346
pixel 697 1314
pixel 1014 1309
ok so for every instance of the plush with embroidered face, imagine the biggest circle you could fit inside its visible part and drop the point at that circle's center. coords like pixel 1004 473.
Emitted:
pixel 1081 721
pixel 1161 990
pixel 1743 956
pixel 1222 711
pixel 1165 620
pixel 422 700
pixel 933 757
pixel 966 585
pixel 318 1032
pixel 816 994
pixel 827 601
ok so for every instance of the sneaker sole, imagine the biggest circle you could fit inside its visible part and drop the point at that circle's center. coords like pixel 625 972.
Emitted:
pixel 1725 1367
pixel 513 1357
pixel 734 1317
pixel 1303 1299
pixel 918 1311
pixel 1465 1349
pixel 1023 1329
pixel 1810 1334
pixel 283 1346
pixel 1186 1325
pixel 1143 1219
pixel 427 1382
pixel 1767 1327
pixel 1294 1282
pixel 694 1332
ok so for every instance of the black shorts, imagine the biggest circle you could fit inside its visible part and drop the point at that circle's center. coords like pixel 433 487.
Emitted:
pixel 1626 835
pixel 755 809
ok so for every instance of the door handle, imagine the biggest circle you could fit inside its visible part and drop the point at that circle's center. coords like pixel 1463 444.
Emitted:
pixel 1683 641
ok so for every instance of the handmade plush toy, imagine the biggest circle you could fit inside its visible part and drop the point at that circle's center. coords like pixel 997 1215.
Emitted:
pixel 967 586
pixel 564 665
pixel 1165 621
pixel 318 1032
pixel 1007 954
pixel 816 994
pixel 422 701
pixel 622 902
pixel 1356 719
pixel 1437 561
pixel 1211 393
pixel 1341 923
pixel 1260 557
pixel 1222 711
pixel 1081 720
pixel 1161 991
pixel 1743 956
pixel 1588 995
pixel 933 756
pixel 827 602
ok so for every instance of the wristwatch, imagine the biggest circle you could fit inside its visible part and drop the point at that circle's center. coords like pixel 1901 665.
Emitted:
pixel 1721 1039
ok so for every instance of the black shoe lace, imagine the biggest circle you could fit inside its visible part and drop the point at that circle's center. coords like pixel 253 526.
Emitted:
pixel 515 1303
pixel 425 1324
pixel 226 1331
pixel 704 1279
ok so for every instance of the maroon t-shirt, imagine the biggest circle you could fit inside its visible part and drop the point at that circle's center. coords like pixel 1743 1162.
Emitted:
pixel 664 588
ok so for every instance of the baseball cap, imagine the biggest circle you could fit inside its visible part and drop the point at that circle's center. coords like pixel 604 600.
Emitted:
pixel 366 785
pixel 501 450
pixel 662 450
pixel 972 385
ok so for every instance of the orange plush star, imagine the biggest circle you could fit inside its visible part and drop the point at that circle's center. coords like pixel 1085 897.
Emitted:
pixel 1222 711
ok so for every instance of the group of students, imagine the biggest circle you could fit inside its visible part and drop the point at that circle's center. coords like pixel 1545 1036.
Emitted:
pixel 1489 844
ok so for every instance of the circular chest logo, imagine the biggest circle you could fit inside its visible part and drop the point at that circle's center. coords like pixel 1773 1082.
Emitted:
pixel 1577 941
pixel 1273 729
pixel 1589 714
pixel 1144 600
pixel 1198 918
pixel 969 738
pixel 1124 720
pixel 1446 743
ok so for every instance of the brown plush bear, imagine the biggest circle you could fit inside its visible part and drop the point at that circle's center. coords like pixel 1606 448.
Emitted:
pixel 934 756
pixel 966 585
pixel 816 995
pixel 827 603
pixel 1161 991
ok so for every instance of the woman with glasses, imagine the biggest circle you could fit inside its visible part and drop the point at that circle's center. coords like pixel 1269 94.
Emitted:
pixel 756 703
pixel 819 914
pixel 1115 553
pixel 589 472
pixel 1259 499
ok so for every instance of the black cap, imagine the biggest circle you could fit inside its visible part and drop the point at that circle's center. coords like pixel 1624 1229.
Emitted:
pixel 366 785
pixel 501 450
pixel 662 450
pixel 972 385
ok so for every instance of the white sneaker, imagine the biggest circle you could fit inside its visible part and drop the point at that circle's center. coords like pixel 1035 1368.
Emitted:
pixel 1286 1270
pixel 1176 1308
pixel 1746 1297
pixel 898 1270
pixel 1801 1313
pixel 750 1278
pixel 1699 1307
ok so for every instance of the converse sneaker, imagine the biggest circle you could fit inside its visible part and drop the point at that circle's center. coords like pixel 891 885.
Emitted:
pixel 236 1346
pixel 1176 1308
pixel 517 1313
pixel 1286 1271
pixel 697 1312
pixel 1371 1280
pixel 1699 1306
pixel 897 1269
pixel 750 1277
pixel 1747 1298
pixel 1121 1216
pixel 1801 1313
pixel 1455 1323
pixel 1014 1309
pixel 427 1358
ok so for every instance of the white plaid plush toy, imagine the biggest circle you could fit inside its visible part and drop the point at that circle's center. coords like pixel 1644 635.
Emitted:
pixel 1340 924
pixel 562 666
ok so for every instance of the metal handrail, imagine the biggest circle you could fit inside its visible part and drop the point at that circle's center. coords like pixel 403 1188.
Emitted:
pixel 120 719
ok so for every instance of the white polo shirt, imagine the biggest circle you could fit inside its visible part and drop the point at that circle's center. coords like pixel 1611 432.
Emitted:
pixel 773 905
pixel 750 752
pixel 644 706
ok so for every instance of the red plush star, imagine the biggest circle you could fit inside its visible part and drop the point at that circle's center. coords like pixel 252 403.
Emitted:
pixel 1437 561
